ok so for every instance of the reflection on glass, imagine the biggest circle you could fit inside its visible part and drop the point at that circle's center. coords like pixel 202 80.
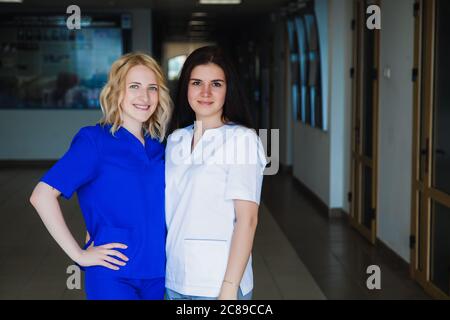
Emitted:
pixel 440 248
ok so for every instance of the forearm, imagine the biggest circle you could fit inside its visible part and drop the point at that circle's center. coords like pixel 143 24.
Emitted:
pixel 240 251
pixel 49 210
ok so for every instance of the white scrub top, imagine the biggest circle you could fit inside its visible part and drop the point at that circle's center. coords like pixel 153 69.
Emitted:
pixel 226 164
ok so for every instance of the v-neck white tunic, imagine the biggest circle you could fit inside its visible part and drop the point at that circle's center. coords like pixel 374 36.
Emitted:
pixel 226 164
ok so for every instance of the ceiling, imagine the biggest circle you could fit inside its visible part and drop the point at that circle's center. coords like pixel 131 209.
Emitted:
pixel 246 6
pixel 174 18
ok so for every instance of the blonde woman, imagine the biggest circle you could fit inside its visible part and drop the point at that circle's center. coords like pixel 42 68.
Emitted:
pixel 117 169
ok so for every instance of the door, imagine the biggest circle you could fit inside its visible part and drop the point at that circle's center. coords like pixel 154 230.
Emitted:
pixel 364 123
pixel 430 239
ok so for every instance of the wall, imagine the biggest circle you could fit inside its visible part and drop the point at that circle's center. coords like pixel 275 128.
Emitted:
pixel 340 51
pixel 395 126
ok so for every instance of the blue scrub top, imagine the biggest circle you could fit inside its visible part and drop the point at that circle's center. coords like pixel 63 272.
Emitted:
pixel 120 186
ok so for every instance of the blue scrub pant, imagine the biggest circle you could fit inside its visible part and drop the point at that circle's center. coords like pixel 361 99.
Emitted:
pixel 117 288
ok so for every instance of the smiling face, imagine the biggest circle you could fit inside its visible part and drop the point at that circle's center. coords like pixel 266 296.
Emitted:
pixel 141 96
pixel 207 91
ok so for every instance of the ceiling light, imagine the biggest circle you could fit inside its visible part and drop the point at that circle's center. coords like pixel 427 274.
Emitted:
pixel 12 1
pixel 197 23
pixel 219 1
pixel 199 14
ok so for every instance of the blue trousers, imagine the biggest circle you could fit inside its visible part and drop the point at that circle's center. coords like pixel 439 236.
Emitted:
pixel 117 288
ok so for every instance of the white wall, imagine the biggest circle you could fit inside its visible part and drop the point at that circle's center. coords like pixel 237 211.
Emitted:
pixel 40 134
pixel 395 129
pixel 46 134
pixel 340 51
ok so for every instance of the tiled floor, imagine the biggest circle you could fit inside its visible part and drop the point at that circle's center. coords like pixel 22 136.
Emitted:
pixel 336 255
pixel 298 254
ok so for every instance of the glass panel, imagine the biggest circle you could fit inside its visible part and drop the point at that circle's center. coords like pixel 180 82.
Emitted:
pixel 293 47
pixel 314 71
pixel 420 229
pixel 302 67
pixel 46 65
pixel 440 247
pixel 368 94
pixel 422 151
pixel 367 197
pixel 441 145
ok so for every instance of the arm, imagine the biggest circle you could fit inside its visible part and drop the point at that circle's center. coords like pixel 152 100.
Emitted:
pixel 45 200
pixel 241 247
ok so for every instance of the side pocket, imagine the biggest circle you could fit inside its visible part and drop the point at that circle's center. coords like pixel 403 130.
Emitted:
pixel 206 261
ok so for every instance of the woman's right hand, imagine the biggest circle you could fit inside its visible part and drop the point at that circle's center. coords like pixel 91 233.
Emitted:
pixel 103 256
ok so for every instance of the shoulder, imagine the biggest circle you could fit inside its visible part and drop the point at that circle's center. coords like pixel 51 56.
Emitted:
pixel 247 143
pixel 91 136
pixel 93 131
pixel 179 134
pixel 239 132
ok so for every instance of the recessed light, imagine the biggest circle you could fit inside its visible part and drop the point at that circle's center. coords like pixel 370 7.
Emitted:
pixel 197 23
pixel 199 14
pixel 219 1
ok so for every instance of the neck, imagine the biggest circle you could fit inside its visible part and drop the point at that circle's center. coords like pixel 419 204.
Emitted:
pixel 135 128
pixel 209 123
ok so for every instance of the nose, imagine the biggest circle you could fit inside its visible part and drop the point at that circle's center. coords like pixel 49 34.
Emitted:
pixel 144 96
pixel 206 90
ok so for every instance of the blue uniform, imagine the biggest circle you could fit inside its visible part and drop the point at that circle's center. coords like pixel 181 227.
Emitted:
pixel 120 186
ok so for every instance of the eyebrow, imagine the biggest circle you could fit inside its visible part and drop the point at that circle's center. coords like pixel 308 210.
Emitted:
pixel 151 84
pixel 215 80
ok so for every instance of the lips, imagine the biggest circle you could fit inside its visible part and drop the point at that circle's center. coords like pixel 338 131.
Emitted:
pixel 205 103
pixel 143 107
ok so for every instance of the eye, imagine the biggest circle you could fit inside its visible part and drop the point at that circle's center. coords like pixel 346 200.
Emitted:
pixel 134 86
pixel 195 83
pixel 153 88
pixel 217 84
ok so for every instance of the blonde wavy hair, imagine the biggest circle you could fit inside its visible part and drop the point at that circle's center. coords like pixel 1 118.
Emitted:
pixel 112 95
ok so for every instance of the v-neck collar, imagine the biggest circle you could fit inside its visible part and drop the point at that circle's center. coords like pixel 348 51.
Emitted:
pixel 133 137
pixel 192 151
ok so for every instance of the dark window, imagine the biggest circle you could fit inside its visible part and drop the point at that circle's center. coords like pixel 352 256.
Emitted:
pixel 306 83
pixel 43 64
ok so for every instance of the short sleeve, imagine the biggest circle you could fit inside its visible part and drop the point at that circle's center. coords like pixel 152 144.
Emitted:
pixel 245 173
pixel 77 167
